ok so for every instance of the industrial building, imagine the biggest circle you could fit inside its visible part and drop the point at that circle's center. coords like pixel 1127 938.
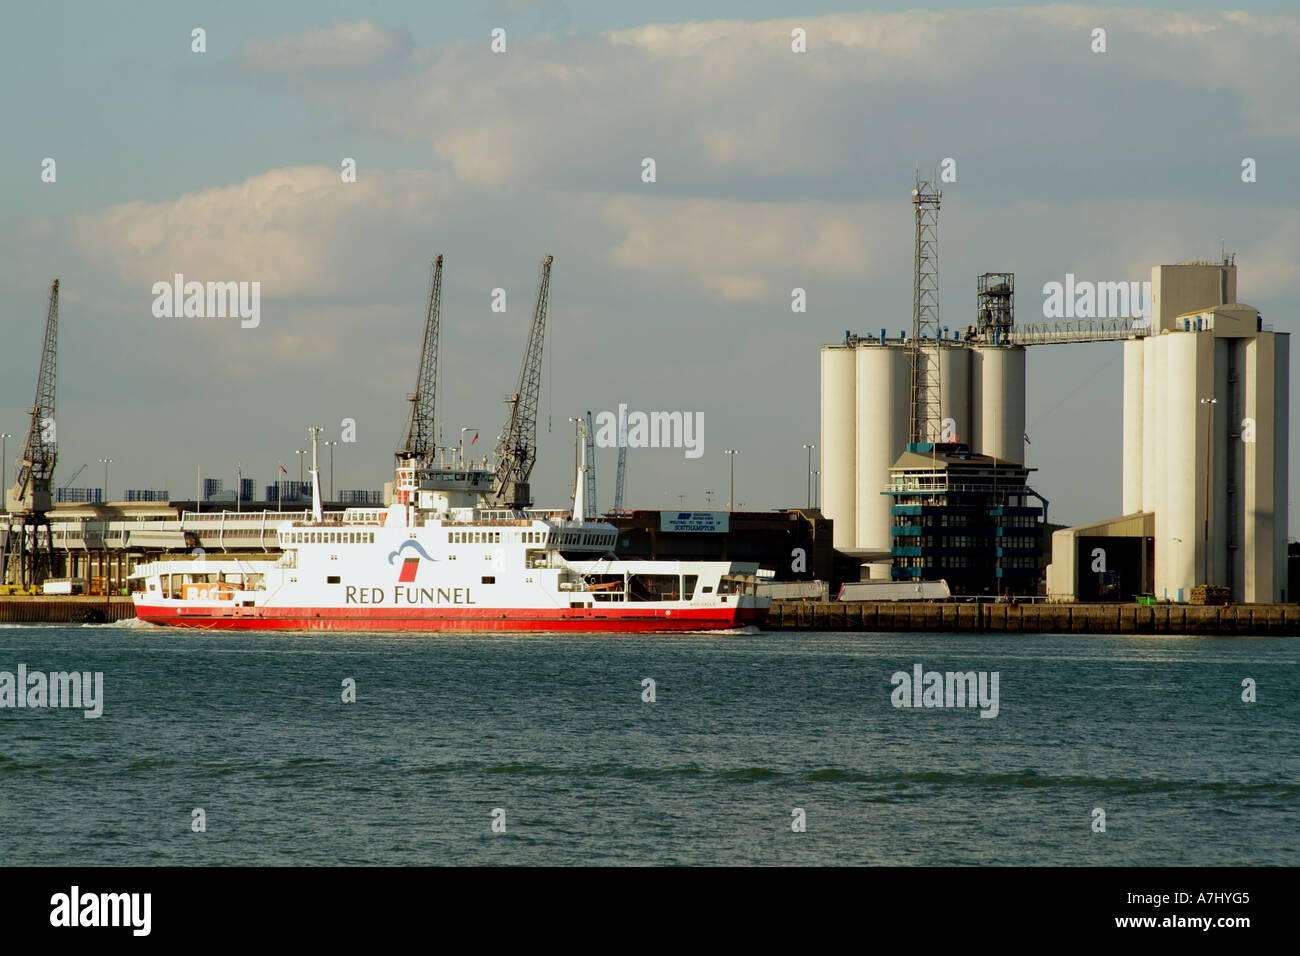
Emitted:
pixel 965 518
pixel 1206 399
pixel 865 425
pixel 1206 392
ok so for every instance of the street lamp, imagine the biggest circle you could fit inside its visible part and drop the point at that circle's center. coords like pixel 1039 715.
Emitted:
pixel 817 487
pixel 331 444
pixel 731 498
pixel 4 460
pixel 1177 561
pixel 300 452
pixel 105 462
pixel 1209 448
pixel 809 449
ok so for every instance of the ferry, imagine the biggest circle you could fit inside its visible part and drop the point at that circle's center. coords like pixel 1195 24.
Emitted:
pixel 436 560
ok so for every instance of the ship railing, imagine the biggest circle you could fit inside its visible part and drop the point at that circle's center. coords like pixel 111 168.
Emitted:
pixel 1011 486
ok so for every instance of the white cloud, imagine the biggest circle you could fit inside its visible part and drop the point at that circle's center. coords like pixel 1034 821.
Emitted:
pixel 290 229
pixel 344 46
pixel 742 252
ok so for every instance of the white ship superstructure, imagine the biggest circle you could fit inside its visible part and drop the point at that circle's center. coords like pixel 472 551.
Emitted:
pixel 435 560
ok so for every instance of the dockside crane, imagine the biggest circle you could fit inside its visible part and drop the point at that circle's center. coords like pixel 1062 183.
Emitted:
pixel 516 450
pixel 420 436
pixel 618 478
pixel 592 510
pixel 28 501
pixel 75 475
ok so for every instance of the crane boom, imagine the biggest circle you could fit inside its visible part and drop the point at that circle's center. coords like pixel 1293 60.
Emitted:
pixel 420 436
pixel 31 490
pixel 516 449
pixel 592 510
pixel 622 471
pixel 29 499
pixel 75 475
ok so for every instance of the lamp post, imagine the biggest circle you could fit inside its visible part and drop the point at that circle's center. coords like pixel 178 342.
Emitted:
pixel 1209 451
pixel 1179 554
pixel 300 452
pixel 809 449
pixel 331 444
pixel 731 497
pixel 105 462
pixel 4 460
pixel 817 487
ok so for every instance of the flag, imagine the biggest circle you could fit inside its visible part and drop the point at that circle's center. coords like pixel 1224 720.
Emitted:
pixel 474 439
pixel 1027 441
pixel 282 469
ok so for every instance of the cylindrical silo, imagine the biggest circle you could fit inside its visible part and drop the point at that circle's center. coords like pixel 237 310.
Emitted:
pixel 1180 512
pixel 1152 425
pixel 838 442
pixel 883 411
pixel 998 383
pixel 954 393
pixel 1134 396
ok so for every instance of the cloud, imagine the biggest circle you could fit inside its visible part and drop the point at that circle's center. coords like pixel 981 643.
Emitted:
pixel 741 252
pixel 726 108
pixel 287 228
pixel 344 46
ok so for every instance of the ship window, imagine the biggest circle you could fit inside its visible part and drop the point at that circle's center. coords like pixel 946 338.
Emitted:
pixel 489 579
pixel 653 587
pixel 688 591
pixel 332 579
pixel 707 589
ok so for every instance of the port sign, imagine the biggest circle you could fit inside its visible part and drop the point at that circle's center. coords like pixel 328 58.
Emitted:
pixel 698 522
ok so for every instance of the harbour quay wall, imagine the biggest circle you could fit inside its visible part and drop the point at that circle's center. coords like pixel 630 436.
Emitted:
pixel 1245 620
pixel 74 609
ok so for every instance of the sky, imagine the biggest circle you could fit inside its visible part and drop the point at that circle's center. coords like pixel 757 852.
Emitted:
pixel 774 170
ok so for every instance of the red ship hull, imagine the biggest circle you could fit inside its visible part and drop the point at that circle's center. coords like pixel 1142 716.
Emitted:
pixel 448 619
